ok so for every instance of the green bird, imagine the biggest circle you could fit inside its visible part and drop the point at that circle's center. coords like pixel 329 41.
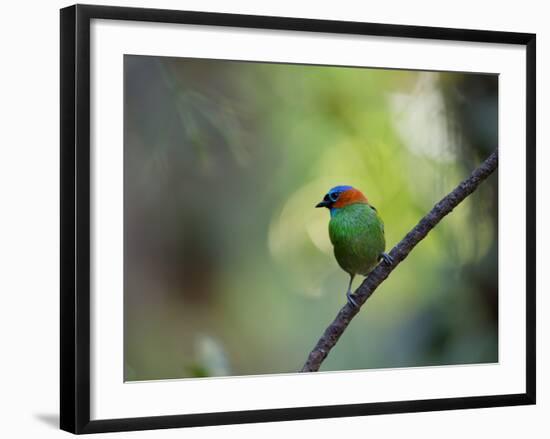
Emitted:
pixel 356 232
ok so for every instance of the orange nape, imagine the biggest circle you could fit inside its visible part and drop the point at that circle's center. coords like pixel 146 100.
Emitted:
pixel 350 196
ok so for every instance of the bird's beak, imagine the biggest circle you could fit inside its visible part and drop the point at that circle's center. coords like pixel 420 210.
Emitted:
pixel 323 203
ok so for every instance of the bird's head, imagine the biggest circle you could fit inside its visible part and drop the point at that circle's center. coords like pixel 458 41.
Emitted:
pixel 341 196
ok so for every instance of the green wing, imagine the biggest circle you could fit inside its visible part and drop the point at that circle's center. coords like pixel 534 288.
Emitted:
pixel 357 234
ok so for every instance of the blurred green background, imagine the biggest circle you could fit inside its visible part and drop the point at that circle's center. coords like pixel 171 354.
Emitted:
pixel 228 266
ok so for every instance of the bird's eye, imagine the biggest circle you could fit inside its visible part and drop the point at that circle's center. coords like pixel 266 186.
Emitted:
pixel 334 196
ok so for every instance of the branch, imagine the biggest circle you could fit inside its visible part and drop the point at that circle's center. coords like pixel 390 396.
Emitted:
pixel 398 253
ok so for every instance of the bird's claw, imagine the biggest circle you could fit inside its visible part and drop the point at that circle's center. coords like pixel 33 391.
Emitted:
pixel 386 258
pixel 351 300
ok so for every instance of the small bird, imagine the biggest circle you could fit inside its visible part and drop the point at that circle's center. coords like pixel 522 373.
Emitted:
pixel 356 232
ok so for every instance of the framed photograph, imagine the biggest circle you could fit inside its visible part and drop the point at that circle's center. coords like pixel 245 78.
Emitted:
pixel 274 218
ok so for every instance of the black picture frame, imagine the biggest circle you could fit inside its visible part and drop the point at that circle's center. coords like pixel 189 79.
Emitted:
pixel 75 217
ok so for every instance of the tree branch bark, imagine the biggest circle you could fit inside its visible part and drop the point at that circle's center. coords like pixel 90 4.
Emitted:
pixel 335 330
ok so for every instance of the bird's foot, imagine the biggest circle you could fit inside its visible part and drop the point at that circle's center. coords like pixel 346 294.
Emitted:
pixel 386 258
pixel 351 300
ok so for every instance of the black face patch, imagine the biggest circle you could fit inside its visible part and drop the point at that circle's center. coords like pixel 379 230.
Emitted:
pixel 333 196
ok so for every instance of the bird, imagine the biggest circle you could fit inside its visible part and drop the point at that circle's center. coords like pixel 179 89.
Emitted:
pixel 356 232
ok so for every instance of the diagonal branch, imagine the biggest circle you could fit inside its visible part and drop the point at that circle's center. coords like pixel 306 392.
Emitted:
pixel 398 253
